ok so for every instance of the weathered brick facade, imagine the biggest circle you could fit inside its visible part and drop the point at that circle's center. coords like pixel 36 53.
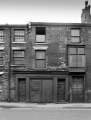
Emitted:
pixel 58 81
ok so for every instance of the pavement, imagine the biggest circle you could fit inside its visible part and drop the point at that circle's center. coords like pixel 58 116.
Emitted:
pixel 31 111
pixel 46 106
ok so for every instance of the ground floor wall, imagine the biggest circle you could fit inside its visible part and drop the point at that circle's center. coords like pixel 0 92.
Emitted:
pixel 50 87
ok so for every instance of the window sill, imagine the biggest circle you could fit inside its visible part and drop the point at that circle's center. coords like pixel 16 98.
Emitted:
pixel 41 43
pixel 39 68
pixel 1 65
pixel 19 42
pixel 17 65
pixel 2 42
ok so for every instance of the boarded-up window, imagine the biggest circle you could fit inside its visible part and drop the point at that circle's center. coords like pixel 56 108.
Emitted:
pixel 1 35
pixel 40 59
pixel 18 56
pixel 75 35
pixel 76 57
pixel 19 35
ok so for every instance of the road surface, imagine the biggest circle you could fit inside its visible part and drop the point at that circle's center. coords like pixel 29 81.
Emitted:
pixel 44 114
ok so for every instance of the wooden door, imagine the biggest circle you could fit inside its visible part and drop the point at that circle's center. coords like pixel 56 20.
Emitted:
pixel 77 89
pixel 47 91
pixel 60 90
pixel 22 89
pixel 35 90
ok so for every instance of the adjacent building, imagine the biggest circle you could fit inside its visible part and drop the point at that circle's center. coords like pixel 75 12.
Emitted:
pixel 46 62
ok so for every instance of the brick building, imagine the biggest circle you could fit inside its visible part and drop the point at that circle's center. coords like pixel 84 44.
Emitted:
pixel 46 62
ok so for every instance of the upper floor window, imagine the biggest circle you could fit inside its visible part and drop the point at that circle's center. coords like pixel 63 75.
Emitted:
pixel 1 57
pixel 19 35
pixel 40 34
pixel 1 36
pixel 76 57
pixel 75 35
pixel 40 59
pixel 18 56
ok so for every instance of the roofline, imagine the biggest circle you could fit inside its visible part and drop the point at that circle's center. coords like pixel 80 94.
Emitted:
pixel 60 24
pixel 47 24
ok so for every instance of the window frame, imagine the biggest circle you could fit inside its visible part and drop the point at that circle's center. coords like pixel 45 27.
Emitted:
pixel 2 36
pixel 1 57
pixel 40 59
pixel 40 35
pixel 75 36
pixel 18 57
pixel 19 36
pixel 77 54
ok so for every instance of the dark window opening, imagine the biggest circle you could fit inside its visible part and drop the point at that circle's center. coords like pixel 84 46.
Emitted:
pixel 40 30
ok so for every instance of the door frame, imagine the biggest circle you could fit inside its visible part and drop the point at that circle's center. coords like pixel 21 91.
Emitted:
pixel 84 86
pixel 39 76
pixel 66 88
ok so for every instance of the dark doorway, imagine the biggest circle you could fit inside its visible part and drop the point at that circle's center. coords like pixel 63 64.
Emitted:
pixel 60 90
pixel 22 89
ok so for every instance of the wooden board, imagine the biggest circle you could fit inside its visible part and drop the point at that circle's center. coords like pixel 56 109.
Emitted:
pixel 47 90
pixel 35 90
pixel 77 89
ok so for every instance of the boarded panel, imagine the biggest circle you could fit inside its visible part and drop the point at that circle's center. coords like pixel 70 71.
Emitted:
pixel 22 89
pixel 35 90
pixel 77 89
pixel 47 90
pixel 60 90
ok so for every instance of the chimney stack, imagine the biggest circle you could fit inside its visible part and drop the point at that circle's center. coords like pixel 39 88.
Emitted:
pixel 86 4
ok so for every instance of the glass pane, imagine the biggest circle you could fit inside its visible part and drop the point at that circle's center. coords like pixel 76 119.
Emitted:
pixel 75 39
pixel 19 32
pixel 77 83
pixel 1 36
pixel 40 54
pixel 75 32
pixel 1 33
pixel 81 61
pixel 18 61
pixel 40 63
pixel 72 50
pixel 18 53
pixel 1 53
pixel 81 51
pixel 1 60
pixel 40 38
pixel 72 61
pixel 19 39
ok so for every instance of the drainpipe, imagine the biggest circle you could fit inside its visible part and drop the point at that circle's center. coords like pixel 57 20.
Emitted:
pixel 9 65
